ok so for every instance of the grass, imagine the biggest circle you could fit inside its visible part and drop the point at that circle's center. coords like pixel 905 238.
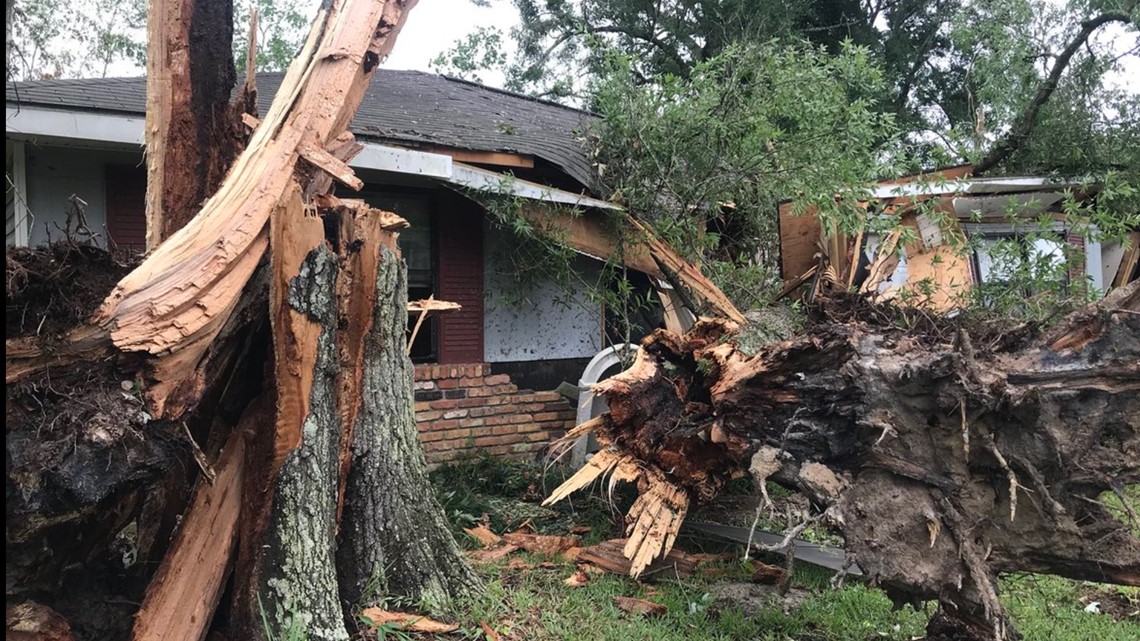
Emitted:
pixel 532 603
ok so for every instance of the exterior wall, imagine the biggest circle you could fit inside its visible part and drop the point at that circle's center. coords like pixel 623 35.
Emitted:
pixel 556 326
pixel 55 173
pixel 464 410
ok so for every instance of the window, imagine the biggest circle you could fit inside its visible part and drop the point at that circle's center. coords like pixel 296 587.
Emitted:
pixel 417 244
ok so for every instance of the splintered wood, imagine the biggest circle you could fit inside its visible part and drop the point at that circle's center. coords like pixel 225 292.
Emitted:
pixel 656 515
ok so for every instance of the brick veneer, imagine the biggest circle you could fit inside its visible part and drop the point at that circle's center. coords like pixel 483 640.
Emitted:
pixel 463 410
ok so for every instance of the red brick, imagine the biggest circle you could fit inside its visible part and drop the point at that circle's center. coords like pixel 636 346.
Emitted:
pixel 422 405
pixel 498 420
pixel 545 416
pixel 459 413
pixel 497 379
pixel 479 391
pixel 445 404
pixel 447 383
pixel 445 425
pixel 556 407
pixel 504 429
pixel 471 402
pixel 522 418
pixel 471 381
pixel 471 422
pixel 487 441
pixel 537 437
pixel 428 416
pixel 437 446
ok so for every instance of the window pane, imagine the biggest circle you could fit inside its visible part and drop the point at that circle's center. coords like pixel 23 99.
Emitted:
pixel 415 241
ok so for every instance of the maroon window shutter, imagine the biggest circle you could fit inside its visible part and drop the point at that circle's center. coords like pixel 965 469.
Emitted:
pixel 460 260
pixel 125 189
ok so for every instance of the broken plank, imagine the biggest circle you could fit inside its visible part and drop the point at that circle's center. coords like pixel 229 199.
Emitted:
pixel 608 556
pixel 318 157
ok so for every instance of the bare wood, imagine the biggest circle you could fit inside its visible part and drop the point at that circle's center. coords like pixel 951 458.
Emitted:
pixel 433 306
pixel 796 282
pixel 1128 265
pixel 331 165
pixel 178 299
pixel 690 277
pixel 497 158
pixel 181 598
pixel 608 556
pixel 189 78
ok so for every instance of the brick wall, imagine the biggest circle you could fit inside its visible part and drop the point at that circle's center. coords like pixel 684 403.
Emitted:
pixel 464 410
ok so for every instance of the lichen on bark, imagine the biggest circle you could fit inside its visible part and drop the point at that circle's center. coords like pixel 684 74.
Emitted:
pixel 395 541
pixel 299 583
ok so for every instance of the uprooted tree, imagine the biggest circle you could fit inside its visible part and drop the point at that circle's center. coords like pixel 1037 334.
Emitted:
pixel 944 457
pixel 268 324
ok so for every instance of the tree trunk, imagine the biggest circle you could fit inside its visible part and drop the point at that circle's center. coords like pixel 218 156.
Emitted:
pixel 941 464
pixel 182 337
pixel 409 552
pixel 191 134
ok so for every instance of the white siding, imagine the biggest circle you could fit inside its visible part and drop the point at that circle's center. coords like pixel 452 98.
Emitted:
pixel 557 326
pixel 55 173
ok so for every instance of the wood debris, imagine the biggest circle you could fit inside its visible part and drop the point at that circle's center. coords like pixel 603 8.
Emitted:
pixel 490 555
pixel 546 545
pixel 639 606
pixel 483 535
pixel 409 622
pixel 579 579
pixel 31 621
pixel 608 555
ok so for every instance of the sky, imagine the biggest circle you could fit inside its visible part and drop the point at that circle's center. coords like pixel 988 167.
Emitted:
pixel 434 25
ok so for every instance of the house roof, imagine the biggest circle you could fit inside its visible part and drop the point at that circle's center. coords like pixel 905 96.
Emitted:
pixel 408 108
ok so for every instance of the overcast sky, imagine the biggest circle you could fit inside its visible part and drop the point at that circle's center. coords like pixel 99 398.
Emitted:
pixel 434 25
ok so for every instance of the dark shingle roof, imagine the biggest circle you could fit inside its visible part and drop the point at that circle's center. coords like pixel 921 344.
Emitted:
pixel 400 106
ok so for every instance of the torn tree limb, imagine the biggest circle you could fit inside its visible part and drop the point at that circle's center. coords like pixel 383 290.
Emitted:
pixel 181 296
pixel 868 422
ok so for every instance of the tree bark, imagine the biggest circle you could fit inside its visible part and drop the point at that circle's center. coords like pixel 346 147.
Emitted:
pixel 409 552
pixel 941 465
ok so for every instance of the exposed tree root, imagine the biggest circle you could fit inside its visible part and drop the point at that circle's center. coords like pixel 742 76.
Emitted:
pixel 874 424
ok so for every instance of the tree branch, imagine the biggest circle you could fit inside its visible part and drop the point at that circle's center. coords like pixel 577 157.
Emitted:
pixel 1024 124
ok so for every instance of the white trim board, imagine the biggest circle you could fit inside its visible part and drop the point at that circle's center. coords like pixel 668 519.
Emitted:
pixel 96 129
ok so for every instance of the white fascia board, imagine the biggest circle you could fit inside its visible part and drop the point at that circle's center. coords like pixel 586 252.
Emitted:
pixel 402 161
pixel 106 128
pixel 970 186
pixel 482 179
pixel 33 122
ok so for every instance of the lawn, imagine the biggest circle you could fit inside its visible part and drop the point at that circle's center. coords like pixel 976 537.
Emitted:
pixel 526 597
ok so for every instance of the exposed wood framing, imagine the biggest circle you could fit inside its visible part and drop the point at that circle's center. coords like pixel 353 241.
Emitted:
pixel 496 158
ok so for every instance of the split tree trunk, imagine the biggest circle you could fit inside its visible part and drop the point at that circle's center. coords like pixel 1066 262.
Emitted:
pixel 942 464
pixel 410 551
pixel 191 130
pixel 179 313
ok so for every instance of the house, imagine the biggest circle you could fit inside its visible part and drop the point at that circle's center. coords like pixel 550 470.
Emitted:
pixel 942 209
pixel 484 374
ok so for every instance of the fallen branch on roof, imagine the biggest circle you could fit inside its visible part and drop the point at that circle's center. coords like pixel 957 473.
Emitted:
pixel 874 425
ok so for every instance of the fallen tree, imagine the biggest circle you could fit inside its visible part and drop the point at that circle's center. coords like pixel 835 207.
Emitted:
pixel 943 456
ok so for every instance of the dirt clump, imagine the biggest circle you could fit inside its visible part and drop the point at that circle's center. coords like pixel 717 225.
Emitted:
pixel 49 290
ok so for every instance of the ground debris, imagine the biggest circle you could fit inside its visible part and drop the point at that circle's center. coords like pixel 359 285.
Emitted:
pixel 409 622
pixel 639 606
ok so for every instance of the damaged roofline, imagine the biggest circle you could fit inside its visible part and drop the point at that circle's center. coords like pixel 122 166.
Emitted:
pixel 32 123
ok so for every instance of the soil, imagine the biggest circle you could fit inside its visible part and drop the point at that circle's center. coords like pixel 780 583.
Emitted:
pixel 51 289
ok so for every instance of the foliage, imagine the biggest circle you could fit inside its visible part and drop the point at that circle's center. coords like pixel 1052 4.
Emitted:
pixel 281 29
pixel 479 50
pixel 97 38
pixel 76 39
pixel 705 159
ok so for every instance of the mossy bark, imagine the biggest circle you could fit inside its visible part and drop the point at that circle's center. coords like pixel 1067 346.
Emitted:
pixel 394 540
pixel 298 583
